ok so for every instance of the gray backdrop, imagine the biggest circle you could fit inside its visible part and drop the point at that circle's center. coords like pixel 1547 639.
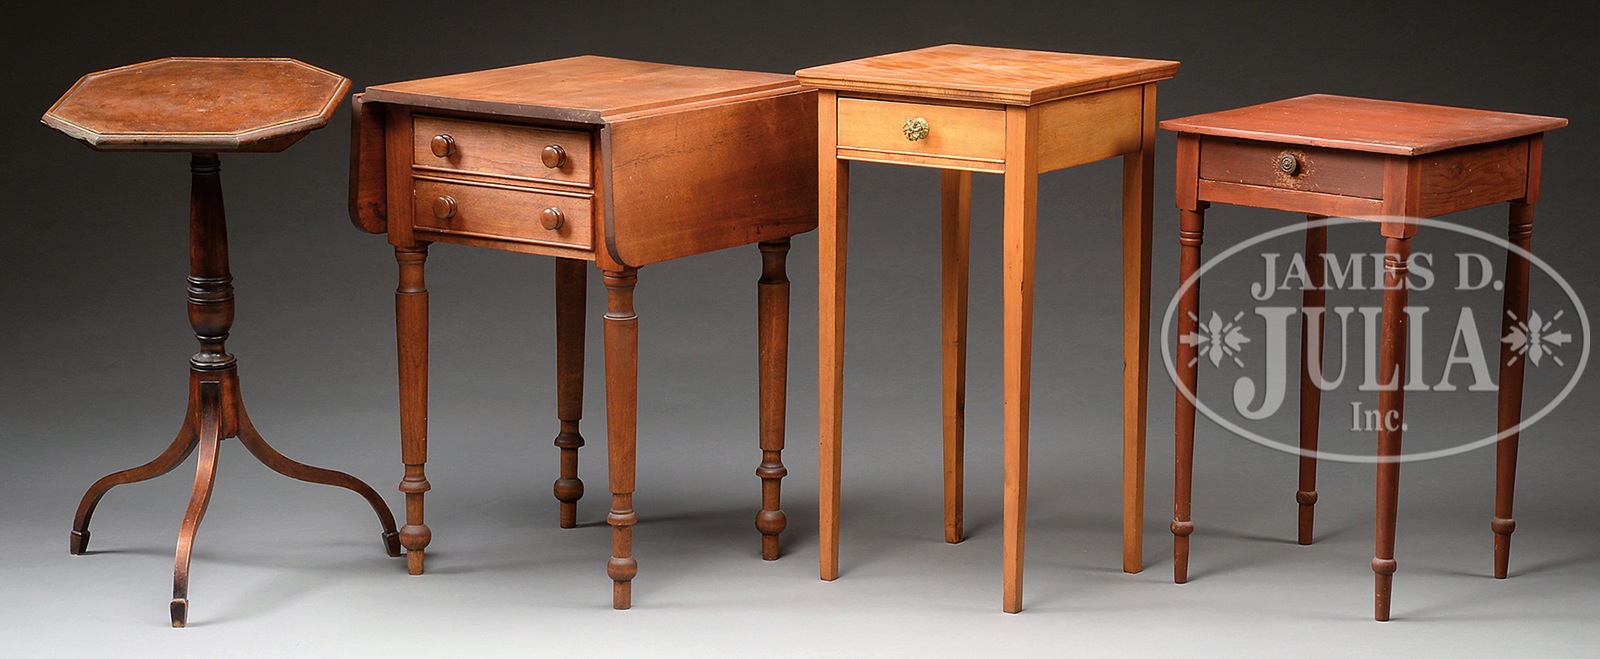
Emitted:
pixel 95 341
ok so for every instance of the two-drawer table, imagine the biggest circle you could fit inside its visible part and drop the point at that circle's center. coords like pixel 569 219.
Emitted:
pixel 965 109
pixel 617 162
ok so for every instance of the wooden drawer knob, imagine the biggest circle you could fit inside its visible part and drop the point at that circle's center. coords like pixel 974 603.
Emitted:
pixel 553 156
pixel 915 128
pixel 1288 164
pixel 552 218
pixel 443 146
pixel 444 207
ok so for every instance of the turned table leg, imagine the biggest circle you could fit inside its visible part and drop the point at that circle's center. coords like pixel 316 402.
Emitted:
pixel 411 322
pixel 571 289
pixel 1511 367
pixel 772 311
pixel 1018 239
pixel 622 398
pixel 1313 301
pixel 955 243
pixel 1190 232
pixel 1391 411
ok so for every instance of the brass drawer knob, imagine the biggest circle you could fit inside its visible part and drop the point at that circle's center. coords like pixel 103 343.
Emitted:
pixel 1288 164
pixel 552 218
pixel 915 128
pixel 444 207
pixel 553 156
pixel 443 146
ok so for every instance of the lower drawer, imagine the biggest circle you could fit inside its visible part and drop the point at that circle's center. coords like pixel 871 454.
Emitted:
pixel 488 210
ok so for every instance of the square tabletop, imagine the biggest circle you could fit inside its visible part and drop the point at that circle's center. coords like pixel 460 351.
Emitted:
pixel 985 74
pixel 582 89
pixel 1362 124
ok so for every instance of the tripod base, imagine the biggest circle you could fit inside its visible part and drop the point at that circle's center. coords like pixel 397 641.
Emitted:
pixel 216 412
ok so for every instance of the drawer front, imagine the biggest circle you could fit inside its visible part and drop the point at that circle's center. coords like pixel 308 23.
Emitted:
pixel 1311 169
pixel 504 150
pixel 952 132
pixel 502 212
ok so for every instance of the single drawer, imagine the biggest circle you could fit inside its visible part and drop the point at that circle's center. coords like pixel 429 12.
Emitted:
pixel 1292 167
pixel 950 132
pixel 512 151
pixel 503 211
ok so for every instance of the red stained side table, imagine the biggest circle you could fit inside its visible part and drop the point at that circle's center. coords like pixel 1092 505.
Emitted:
pixel 205 106
pixel 1335 156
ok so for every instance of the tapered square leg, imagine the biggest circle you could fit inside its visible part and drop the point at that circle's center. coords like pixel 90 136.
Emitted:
pixel 1138 188
pixel 955 241
pixel 833 203
pixel 1018 245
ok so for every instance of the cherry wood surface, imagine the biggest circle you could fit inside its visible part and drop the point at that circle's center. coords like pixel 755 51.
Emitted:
pixel 206 105
pixel 1383 161
pixel 963 109
pixel 616 162
pixel 583 89
pixel 1363 124
pixel 199 104
pixel 1005 76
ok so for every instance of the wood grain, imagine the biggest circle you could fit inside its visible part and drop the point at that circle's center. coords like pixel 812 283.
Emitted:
pixel 195 104
pixel 1138 187
pixel 1092 127
pixel 503 211
pixel 502 150
pixel 954 245
pixel 833 204
pixel 1325 171
pixel 958 133
pixel 1018 244
pixel 985 74
pixel 1360 124
pixel 1470 177
pixel 581 89
pixel 690 184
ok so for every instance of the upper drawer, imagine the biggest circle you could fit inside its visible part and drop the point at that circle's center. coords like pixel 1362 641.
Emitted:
pixel 952 132
pixel 505 150
pixel 1291 167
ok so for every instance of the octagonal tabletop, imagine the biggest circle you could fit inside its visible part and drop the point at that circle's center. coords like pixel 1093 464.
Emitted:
pixel 200 104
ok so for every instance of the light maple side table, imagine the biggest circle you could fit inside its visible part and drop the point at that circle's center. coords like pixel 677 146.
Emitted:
pixel 588 159
pixel 1019 113
pixel 1384 161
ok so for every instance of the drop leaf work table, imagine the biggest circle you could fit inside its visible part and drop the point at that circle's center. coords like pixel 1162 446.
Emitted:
pixel 205 106
pixel 1019 113
pixel 1384 161
pixel 617 162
